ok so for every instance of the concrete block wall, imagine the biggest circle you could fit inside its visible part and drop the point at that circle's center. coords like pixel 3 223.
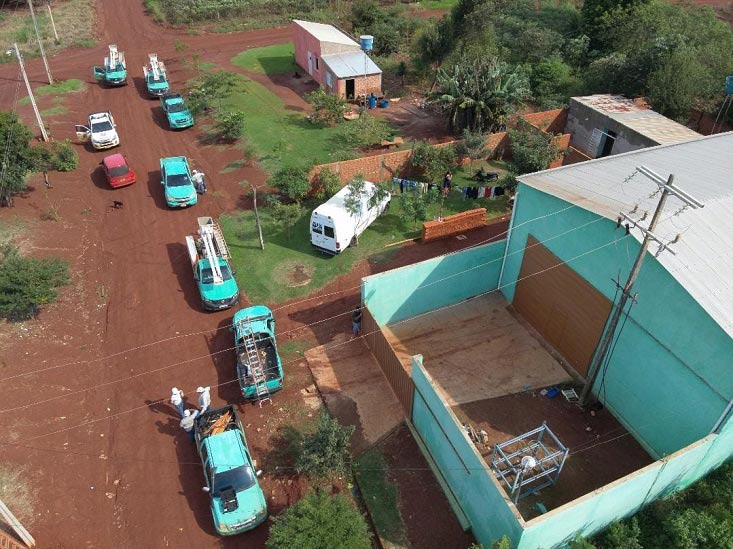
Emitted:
pixel 453 224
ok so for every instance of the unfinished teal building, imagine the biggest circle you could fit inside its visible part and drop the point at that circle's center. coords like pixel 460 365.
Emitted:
pixel 490 329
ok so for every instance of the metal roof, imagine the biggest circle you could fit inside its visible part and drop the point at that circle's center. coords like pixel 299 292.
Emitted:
pixel 703 263
pixel 351 64
pixel 637 116
pixel 326 33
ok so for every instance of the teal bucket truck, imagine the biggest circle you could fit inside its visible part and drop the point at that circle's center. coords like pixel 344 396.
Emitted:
pixel 237 501
pixel 114 71
pixel 177 183
pixel 156 80
pixel 259 369
pixel 210 258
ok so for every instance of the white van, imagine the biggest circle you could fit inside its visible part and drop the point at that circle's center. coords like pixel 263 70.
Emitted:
pixel 333 229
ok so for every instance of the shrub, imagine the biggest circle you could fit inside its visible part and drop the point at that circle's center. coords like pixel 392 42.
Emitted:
pixel 317 521
pixel 329 183
pixel 432 161
pixel 367 130
pixel 230 124
pixel 66 158
pixel 532 150
pixel 414 205
pixel 293 181
pixel 286 215
pixel 327 108
pixel 27 283
pixel 326 451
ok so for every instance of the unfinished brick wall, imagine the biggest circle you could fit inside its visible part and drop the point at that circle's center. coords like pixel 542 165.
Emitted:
pixel 548 121
pixel 573 156
pixel 454 224
pixel 563 142
pixel 371 84
pixel 379 167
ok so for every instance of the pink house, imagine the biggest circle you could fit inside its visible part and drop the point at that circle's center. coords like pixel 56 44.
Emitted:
pixel 335 61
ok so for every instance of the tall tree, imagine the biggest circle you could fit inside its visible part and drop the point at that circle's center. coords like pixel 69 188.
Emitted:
pixel 16 157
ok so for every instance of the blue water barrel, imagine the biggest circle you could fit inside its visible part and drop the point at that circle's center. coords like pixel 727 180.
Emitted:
pixel 372 101
pixel 367 42
pixel 383 104
pixel 729 85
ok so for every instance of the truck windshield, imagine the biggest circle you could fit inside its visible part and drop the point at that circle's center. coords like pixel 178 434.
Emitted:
pixel 178 180
pixel 176 107
pixel 238 479
pixel 102 126
pixel 207 276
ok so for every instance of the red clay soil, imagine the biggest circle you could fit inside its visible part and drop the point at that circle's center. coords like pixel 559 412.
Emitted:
pixel 428 518
pixel 597 456
pixel 85 385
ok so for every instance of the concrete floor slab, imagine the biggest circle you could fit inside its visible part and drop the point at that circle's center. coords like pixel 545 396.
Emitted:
pixel 476 350
pixel 354 389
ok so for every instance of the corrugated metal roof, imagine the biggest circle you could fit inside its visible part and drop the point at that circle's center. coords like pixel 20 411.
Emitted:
pixel 326 33
pixel 703 263
pixel 348 65
pixel 639 118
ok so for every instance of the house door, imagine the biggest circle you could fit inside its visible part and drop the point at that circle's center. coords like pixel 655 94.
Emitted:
pixel 350 89
pixel 567 311
pixel 310 63
pixel 607 143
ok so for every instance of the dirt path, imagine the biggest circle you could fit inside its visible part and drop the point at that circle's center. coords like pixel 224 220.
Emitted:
pixel 108 465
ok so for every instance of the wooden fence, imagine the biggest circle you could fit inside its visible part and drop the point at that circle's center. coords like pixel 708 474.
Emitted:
pixel 398 378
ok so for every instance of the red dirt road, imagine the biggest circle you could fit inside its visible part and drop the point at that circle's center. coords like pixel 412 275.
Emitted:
pixel 82 384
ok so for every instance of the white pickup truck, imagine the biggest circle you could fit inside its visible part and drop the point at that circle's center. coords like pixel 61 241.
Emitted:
pixel 100 131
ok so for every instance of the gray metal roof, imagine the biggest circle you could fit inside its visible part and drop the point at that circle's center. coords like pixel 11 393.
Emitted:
pixel 639 118
pixel 703 263
pixel 326 33
pixel 351 64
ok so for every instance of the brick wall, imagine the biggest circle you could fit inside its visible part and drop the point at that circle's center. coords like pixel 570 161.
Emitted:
pixel 8 542
pixel 453 224
pixel 563 142
pixel 371 84
pixel 548 121
pixel 573 156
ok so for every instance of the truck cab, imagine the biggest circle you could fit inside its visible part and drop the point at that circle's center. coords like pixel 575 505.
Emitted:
pixel 114 70
pixel 209 256
pixel 156 80
pixel 100 131
pixel 175 176
pixel 237 501
pixel 176 111
pixel 257 325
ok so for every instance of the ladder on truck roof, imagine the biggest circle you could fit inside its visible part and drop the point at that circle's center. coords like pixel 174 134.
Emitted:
pixel 114 57
pixel 256 369
pixel 156 67
pixel 214 246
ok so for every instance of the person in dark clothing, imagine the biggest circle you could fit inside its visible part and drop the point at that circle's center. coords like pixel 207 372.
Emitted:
pixel 447 182
pixel 356 321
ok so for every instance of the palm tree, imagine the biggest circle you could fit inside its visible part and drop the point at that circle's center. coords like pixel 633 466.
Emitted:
pixel 480 93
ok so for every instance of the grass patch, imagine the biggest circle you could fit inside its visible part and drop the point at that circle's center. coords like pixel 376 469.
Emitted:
pixel 281 137
pixel 293 349
pixel 207 66
pixel 278 59
pixel 462 176
pixel 11 228
pixel 234 166
pixel 272 275
pixel 64 86
pixel 17 494
pixel 381 497
pixel 437 4
pixel 87 43
pixel 54 111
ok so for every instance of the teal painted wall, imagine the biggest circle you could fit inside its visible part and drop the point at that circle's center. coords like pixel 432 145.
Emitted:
pixel 485 505
pixel 408 291
pixel 669 378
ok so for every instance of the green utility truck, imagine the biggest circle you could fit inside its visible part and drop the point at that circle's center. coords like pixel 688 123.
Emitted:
pixel 209 257
pixel 175 176
pixel 237 501
pixel 176 111
pixel 259 369
pixel 114 71
pixel 156 80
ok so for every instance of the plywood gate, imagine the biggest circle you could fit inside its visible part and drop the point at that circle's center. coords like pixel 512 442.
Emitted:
pixel 567 311
pixel 398 378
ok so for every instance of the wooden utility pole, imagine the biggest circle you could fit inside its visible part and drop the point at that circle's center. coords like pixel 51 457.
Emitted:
pixel 40 42
pixel 257 216
pixel 44 134
pixel 53 25
pixel 667 187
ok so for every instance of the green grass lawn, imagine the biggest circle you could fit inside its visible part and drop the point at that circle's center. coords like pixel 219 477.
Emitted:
pixel 290 267
pixel 381 498
pixel 462 176
pixel 283 137
pixel 57 88
pixel 277 59
pixel 437 4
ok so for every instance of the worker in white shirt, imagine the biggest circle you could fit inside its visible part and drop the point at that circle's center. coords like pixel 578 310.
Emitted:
pixel 187 423
pixel 204 398
pixel 198 181
pixel 177 400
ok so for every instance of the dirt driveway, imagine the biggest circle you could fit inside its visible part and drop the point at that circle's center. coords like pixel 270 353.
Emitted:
pixel 82 385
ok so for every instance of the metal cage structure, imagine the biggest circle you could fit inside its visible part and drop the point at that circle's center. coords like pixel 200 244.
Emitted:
pixel 535 458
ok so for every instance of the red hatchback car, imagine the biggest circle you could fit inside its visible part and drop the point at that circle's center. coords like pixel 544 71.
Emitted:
pixel 117 171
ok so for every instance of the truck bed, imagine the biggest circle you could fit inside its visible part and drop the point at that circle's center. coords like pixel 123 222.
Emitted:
pixel 268 356
pixel 216 421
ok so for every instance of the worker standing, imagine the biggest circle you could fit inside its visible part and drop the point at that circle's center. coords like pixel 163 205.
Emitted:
pixel 177 400
pixel 199 181
pixel 356 321
pixel 204 398
pixel 188 421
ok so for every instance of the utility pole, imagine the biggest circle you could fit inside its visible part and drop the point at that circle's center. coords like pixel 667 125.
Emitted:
pixel 667 187
pixel 44 134
pixel 257 216
pixel 53 25
pixel 40 42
